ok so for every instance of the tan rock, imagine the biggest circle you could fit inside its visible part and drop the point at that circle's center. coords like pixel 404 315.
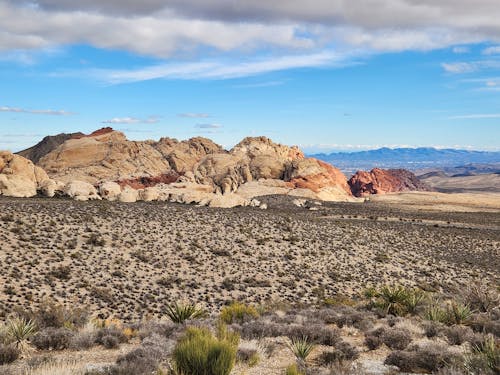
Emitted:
pixel 19 177
pixel 50 188
pixel 109 190
pixel 128 195
pixel 81 190
pixel 228 201
pixel 150 194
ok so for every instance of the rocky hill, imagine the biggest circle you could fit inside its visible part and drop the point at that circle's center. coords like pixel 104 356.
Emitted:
pixel 381 181
pixel 106 165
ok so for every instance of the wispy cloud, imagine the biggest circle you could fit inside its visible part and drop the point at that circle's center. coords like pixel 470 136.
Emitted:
pixel 208 126
pixel 475 116
pixel 194 115
pixel 259 84
pixel 132 120
pixel 470 67
pixel 494 50
pixel 460 49
pixel 49 112
pixel 218 70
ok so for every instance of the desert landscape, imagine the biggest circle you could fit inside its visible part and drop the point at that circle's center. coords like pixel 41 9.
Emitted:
pixel 236 187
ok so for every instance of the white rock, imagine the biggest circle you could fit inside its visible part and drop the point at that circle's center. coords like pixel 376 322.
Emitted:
pixel 109 190
pixel 128 195
pixel 150 194
pixel 16 186
pixel 80 190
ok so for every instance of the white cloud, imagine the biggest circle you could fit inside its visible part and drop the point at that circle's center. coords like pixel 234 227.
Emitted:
pixel 132 120
pixel 49 112
pixel 194 115
pixel 165 28
pixel 470 67
pixel 208 126
pixel 495 50
pixel 220 69
pixel 461 49
pixel 476 116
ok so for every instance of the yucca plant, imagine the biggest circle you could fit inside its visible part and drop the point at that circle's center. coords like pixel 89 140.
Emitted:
pixel 458 313
pixel 19 330
pixel 179 313
pixel 301 347
pixel 393 300
pixel 435 313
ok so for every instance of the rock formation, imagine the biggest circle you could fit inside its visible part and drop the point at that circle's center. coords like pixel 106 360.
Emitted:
pixel 19 177
pixel 381 181
pixel 46 145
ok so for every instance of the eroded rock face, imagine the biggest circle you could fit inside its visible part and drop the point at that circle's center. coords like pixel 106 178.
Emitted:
pixel 19 177
pixel 381 181
pixel 46 145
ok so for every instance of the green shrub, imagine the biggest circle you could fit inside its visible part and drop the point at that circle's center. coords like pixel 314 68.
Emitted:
pixel 485 357
pixel 238 313
pixel 200 353
pixel 19 330
pixel 399 300
pixel 179 313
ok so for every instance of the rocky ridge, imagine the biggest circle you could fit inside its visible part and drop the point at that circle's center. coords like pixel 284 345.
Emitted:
pixel 106 165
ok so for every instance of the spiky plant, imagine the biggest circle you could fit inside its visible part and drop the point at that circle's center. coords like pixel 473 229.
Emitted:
pixel 458 313
pixel 179 313
pixel 393 299
pixel 484 356
pixel 19 330
pixel 301 347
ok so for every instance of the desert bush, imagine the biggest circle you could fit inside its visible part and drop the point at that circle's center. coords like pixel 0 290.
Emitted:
pixel 432 328
pixel 301 347
pixel 82 340
pixel 342 352
pixel 8 354
pixel 165 329
pixel 248 355
pixel 318 333
pixel 481 298
pixel 431 357
pixel 485 357
pixel 457 335
pixel 52 338
pixel 56 368
pixel 179 313
pixel 394 338
pixel 238 313
pixel 199 352
pixel 110 337
pixel 53 314
pixel 458 313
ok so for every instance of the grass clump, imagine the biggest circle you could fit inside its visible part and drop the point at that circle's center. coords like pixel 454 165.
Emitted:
pixel 200 353
pixel 485 357
pixel 293 370
pixel 179 313
pixel 238 313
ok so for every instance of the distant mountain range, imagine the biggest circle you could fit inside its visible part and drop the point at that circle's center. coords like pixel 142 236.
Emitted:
pixel 424 158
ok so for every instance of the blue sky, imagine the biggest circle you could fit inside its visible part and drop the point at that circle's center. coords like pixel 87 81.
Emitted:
pixel 286 73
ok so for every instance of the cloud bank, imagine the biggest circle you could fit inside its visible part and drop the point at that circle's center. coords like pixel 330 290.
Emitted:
pixel 48 112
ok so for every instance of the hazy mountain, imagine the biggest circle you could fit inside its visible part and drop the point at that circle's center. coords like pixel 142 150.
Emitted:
pixel 411 158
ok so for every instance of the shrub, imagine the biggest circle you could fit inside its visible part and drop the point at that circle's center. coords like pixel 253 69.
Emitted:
pixel 179 313
pixel 110 337
pixel 418 359
pixel 52 338
pixel 394 338
pixel 301 347
pixel 8 354
pixel 238 313
pixel 199 352
pixel 343 351
pixel 432 328
pixel 54 314
pixel 82 340
pixel 485 357
pixel 249 356
pixel 481 298
pixel 458 313
pixel 457 335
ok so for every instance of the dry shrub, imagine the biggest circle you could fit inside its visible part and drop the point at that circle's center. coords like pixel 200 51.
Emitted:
pixel 429 358
pixel 52 338
pixel 8 354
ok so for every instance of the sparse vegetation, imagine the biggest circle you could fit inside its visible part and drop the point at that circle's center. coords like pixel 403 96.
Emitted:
pixel 179 313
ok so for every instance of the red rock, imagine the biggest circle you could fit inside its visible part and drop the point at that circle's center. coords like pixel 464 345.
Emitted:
pixel 95 133
pixel 381 181
pixel 147 181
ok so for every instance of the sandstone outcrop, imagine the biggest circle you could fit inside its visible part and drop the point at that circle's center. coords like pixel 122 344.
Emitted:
pixel 381 181
pixel 109 190
pixel 19 177
pixel 81 191
pixel 46 145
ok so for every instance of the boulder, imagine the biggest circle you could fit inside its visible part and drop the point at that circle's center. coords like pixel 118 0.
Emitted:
pixel 81 190
pixel 228 201
pixel 50 188
pixel 129 195
pixel 150 194
pixel 19 177
pixel 109 190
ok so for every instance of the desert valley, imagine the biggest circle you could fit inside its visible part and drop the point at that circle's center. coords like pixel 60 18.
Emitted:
pixel 111 248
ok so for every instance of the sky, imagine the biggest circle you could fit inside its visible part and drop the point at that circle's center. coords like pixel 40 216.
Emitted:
pixel 326 75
